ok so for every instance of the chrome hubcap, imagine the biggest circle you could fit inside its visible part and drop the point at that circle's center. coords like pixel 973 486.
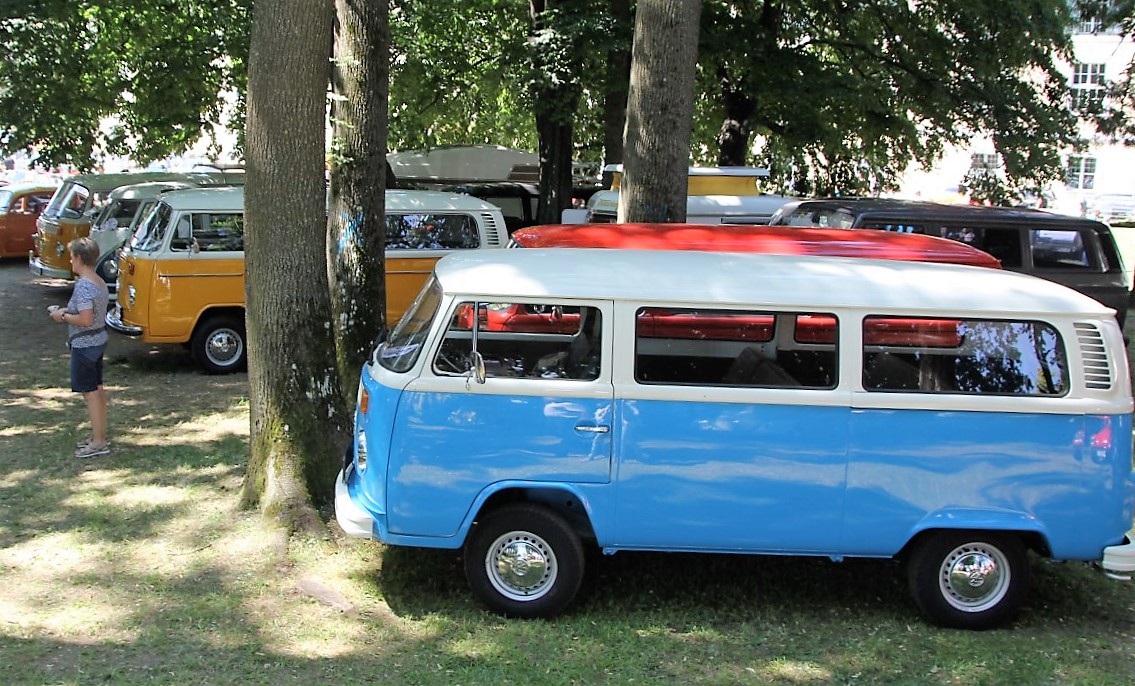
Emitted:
pixel 224 347
pixel 974 577
pixel 521 566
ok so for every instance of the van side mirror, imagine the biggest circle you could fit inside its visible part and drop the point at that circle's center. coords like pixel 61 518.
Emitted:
pixel 183 238
pixel 478 370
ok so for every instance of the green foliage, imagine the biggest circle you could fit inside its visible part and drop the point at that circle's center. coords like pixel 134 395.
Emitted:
pixel 455 74
pixel 163 71
pixel 845 95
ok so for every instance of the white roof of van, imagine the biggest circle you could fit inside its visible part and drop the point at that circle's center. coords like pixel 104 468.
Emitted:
pixel 807 283
pixel 149 189
pixel 229 199
pixel 232 199
pixel 434 201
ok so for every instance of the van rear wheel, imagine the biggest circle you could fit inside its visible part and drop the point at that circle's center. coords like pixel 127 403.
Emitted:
pixel 524 561
pixel 218 345
pixel 969 580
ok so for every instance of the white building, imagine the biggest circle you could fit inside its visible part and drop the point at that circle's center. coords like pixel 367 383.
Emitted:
pixel 1102 55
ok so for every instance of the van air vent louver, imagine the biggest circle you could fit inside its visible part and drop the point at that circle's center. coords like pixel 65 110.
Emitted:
pixel 1097 366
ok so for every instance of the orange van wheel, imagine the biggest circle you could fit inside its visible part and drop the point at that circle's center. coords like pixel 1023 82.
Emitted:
pixel 219 345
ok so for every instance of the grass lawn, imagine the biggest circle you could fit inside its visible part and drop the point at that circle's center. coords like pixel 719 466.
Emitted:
pixel 138 568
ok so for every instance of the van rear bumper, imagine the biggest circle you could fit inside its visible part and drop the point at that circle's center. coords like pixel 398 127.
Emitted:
pixel 114 321
pixel 353 520
pixel 37 267
pixel 1119 560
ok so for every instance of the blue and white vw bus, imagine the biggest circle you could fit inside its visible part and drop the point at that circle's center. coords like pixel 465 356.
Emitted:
pixel 536 403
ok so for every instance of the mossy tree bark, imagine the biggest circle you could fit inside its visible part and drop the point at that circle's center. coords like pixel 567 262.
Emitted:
pixel 298 416
pixel 356 214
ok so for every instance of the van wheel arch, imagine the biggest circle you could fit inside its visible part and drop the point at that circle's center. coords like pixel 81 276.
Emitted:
pixel 219 343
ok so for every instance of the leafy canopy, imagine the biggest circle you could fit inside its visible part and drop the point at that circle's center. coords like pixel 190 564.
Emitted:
pixel 138 78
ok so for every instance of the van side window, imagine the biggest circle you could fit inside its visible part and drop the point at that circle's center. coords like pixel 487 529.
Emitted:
pixel 1059 249
pixel 1002 243
pixel 219 232
pixel 917 354
pixel 431 232
pixel 735 348
pixel 524 341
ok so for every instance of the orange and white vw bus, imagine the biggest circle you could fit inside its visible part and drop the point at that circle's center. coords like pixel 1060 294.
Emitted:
pixel 181 275
pixel 74 206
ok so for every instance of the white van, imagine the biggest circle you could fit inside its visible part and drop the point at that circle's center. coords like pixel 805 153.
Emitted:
pixel 533 404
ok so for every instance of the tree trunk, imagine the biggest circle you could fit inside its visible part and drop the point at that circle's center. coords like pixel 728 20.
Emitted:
pixel 356 226
pixel 615 97
pixel 556 94
pixel 733 141
pixel 294 388
pixel 660 108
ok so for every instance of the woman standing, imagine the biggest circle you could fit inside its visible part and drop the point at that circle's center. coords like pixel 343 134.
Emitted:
pixel 85 317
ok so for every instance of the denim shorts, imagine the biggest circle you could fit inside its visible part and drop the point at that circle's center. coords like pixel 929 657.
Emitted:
pixel 86 368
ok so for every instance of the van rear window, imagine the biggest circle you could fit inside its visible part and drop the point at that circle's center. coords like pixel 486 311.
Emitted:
pixel 989 357
pixel 431 232
pixel 735 348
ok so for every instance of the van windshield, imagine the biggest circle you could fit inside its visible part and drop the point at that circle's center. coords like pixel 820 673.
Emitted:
pixel 152 231
pixel 116 213
pixel 70 200
pixel 404 346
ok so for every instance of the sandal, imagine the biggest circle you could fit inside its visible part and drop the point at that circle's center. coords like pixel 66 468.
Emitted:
pixel 92 450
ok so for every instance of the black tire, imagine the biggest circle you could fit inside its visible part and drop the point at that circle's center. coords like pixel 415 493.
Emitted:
pixel 218 345
pixel 524 561
pixel 107 268
pixel 969 580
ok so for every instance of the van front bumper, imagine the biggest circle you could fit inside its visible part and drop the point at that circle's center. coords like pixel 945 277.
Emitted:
pixel 38 268
pixel 353 520
pixel 1119 560
pixel 114 321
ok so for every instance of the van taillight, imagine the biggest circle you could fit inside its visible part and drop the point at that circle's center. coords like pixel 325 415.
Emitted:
pixel 130 268
pixel 1102 438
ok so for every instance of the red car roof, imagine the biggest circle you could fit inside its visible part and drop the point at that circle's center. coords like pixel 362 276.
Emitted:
pixel 779 240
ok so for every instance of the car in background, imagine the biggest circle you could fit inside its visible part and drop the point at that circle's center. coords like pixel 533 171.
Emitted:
pixel 1113 207
pixel 1078 252
pixel 20 206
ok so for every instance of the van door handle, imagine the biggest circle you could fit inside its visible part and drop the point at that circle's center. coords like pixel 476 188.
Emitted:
pixel 592 428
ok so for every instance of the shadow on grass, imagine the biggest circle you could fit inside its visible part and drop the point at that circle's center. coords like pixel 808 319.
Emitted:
pixel 723 590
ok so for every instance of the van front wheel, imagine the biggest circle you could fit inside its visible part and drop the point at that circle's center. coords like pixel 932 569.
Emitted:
pixel 969 580
pixel 218 346
pixel 524 561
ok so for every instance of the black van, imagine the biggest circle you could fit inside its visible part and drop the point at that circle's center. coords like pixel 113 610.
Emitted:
pixel 1077 252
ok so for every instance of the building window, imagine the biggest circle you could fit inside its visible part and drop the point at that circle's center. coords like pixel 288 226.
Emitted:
pixel 1089 25
pixel 1087 99
pixel 1088 74
pixel 980 161
pixel 1093 22
pixel 1081 172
